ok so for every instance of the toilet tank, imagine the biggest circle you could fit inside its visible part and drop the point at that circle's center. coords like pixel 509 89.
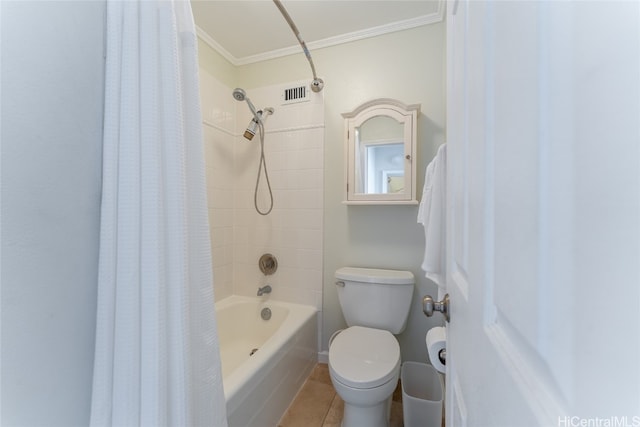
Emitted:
pixel 375 298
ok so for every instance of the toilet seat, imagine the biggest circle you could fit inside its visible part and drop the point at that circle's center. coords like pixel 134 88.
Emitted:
pixel 364 358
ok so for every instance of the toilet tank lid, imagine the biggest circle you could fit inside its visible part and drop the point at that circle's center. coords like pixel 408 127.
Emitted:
pixel 375 275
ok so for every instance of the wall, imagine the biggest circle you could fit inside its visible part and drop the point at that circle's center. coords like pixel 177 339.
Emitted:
pixel 408 66
pixel 294 152
pixel 216 65
pixel 52 98
pixel 219 122
pixel 294 147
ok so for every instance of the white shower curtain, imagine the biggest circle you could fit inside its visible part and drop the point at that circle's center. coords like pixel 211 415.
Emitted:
pixel 157 360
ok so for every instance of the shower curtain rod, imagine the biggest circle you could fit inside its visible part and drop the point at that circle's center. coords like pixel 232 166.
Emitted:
pixel 317 84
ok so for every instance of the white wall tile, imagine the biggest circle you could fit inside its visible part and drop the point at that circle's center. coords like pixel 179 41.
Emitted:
pixel 217 104
pixel 293 230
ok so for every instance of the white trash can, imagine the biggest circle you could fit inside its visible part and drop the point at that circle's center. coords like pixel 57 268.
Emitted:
pixel 422 395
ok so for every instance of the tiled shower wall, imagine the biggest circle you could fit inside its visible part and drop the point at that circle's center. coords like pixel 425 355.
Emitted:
pixel 218 114
pixel 293 230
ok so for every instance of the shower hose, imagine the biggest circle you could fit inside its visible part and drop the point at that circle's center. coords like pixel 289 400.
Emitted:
pixel 262 164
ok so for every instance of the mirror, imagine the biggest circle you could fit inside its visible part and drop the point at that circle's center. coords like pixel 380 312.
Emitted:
pixel 380 149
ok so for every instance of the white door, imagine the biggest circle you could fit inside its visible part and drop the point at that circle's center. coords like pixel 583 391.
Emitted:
pixel 544 212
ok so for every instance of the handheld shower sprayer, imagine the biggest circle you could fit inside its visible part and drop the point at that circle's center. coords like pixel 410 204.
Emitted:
pixel 259 116
pixel 257 122
pixel 250 131
pixel 241 95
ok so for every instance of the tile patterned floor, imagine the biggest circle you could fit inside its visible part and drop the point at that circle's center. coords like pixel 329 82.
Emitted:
pixel 318 405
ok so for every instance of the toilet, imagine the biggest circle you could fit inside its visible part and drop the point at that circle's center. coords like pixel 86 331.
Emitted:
pixel 364 359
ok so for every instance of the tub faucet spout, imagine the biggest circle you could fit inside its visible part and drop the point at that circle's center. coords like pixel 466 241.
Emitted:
pixel 264 290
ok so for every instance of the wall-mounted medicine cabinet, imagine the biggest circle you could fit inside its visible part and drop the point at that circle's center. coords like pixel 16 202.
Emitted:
pixel 380 153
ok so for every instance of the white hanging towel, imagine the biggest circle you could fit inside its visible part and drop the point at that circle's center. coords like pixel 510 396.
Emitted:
pixel 431 214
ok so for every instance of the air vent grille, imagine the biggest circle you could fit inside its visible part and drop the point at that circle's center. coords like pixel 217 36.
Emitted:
pixel 295 94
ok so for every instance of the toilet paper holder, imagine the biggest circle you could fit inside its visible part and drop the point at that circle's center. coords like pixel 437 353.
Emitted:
pixel 429 306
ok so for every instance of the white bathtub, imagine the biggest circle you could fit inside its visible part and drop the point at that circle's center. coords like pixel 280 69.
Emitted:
pixel 260 387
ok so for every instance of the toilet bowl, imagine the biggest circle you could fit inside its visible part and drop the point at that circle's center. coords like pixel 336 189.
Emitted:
pixel 364 359
pixel 364 365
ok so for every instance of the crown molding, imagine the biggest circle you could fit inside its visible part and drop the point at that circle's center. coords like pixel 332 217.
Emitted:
pixel 418 21
pixel 205 37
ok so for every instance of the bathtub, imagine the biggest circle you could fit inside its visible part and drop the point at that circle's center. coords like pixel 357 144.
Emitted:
pixel 264 362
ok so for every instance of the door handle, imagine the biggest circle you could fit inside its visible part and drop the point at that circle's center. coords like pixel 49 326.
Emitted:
pixel 429 306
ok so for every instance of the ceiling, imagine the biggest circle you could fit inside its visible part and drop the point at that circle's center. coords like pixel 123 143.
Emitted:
pixel 246 31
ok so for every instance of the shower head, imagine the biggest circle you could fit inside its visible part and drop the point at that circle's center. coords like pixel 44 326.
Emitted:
pixel 239 94
pixel 258 116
